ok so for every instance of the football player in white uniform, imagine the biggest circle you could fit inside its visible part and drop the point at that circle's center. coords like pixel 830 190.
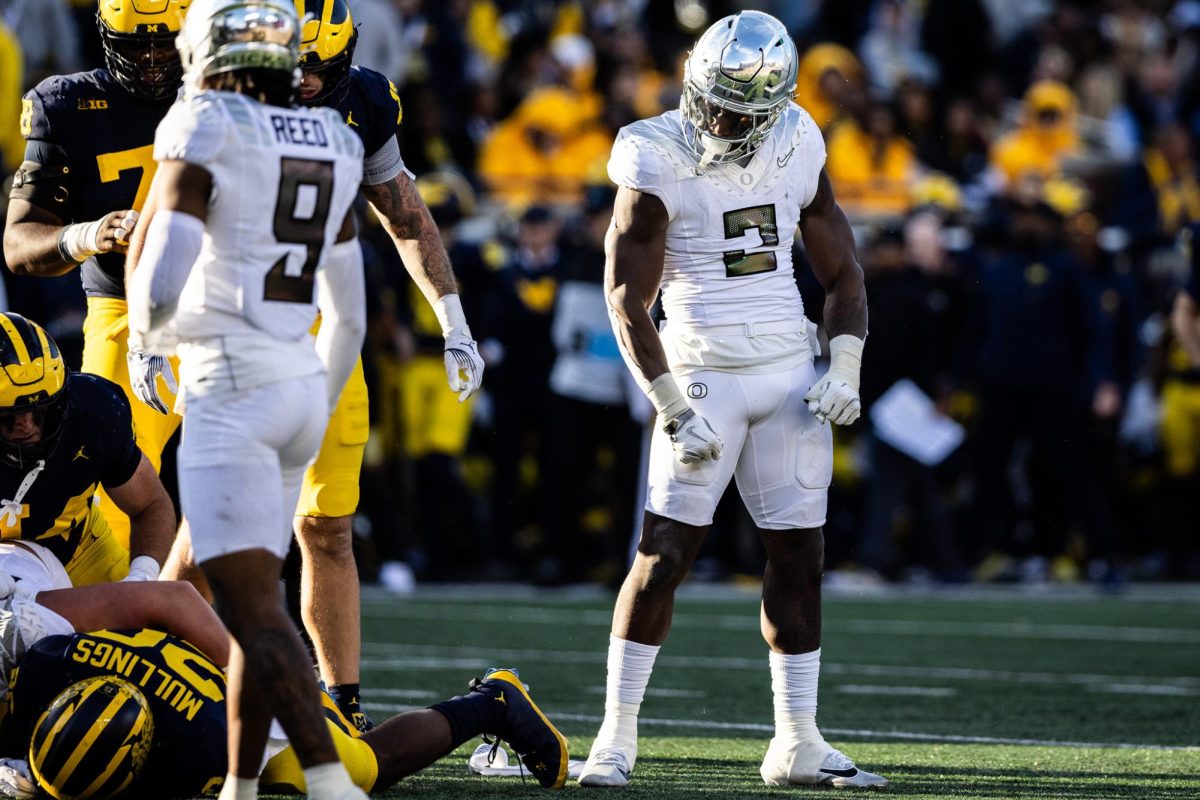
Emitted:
pixel 250 230
pixel 710 198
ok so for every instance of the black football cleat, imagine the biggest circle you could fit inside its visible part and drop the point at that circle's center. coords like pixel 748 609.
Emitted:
pixel 540 746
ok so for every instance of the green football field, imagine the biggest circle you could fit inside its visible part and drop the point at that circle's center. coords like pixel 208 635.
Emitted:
pixel 958 694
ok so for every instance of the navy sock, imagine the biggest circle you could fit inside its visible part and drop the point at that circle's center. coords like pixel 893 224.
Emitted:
pixel 345 693
pixel 471 714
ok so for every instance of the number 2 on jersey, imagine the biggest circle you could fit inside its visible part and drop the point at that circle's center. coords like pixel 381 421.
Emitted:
pixel 301 211
pixel 739 263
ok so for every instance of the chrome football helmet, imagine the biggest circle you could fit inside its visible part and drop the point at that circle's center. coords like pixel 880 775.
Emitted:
pixel 223 35
pixel 738 79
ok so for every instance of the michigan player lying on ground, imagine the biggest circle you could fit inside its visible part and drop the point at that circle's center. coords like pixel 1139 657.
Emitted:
pixel 141 713
pixel 62 436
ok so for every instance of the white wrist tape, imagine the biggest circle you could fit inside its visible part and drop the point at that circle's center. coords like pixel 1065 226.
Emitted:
pixel 144 568
pixel 665 395
pixel 845 359
pixel 78 242
pixel 449 312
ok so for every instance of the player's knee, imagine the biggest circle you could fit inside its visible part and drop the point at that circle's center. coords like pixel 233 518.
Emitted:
pixel 327 539
pixel 799 553
pixel 660 571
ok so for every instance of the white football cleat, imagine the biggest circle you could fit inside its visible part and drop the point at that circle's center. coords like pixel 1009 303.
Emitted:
pixel 608 765
pixel 814 763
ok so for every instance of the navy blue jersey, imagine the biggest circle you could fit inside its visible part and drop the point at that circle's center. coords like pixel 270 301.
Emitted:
pixel 371 107
pixel 105 136
pixel 185 690
pixel 96 447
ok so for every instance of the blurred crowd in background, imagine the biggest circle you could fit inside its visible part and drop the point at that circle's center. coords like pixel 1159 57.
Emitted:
pixel 1021 176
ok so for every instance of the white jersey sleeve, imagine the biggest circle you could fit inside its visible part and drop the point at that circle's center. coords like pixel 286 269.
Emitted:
pixel 810 147
pixel 194 130
pixel 639 163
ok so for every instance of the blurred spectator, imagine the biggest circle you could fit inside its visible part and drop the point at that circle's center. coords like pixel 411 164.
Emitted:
pixel 907 342
pixel 959 149
pixel 1032 365
pixel 873 167
pixel 520 353
pixel 891 50
pixel 382 45
pixel 12 144
pixel 592 478
pixel 1105 121
pixel 1046 135
pixel 829 84
pixel 545 152
pixel 48 37
pixel 958 35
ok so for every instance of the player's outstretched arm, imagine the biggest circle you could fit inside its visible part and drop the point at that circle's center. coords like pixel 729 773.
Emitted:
pixel 172 606
pixel 633 267
pixel 407 220
pixel 151 520
pixel 830 245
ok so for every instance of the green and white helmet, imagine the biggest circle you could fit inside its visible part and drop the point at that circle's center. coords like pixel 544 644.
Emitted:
pixel 744 67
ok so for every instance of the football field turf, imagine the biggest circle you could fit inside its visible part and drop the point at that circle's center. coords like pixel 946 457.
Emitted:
pixel 958 694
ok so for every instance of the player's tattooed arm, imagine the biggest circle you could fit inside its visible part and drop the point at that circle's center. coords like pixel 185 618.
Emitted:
pixel 830 245
pixel 407 220
pixel 634 250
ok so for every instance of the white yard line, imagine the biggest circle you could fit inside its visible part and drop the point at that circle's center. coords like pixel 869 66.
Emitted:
pixel 896 691
pixel 507 614
pixel 855 733
pixel 396 657
pixel 687 694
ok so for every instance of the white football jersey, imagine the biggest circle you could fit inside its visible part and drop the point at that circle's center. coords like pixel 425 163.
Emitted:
pixel 283 182
pixel 729 240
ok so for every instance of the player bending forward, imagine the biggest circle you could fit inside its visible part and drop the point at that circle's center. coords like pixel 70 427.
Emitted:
pixel 709 202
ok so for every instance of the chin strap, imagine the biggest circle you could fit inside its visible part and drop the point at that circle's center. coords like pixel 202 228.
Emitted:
pixel 10 510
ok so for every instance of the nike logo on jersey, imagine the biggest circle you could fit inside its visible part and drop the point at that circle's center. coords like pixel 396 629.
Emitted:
pixel 782 162
pixel 80 455
pixel 350 119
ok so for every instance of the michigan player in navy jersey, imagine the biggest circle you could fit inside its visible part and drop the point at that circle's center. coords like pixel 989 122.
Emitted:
pixel 87 170
pixel 184 692
pixel 370 105
pixel 63 435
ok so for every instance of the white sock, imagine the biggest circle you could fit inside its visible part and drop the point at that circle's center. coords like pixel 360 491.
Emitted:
pixel 328 781
pixel 794 685
pixel 236 788
pixel 629 668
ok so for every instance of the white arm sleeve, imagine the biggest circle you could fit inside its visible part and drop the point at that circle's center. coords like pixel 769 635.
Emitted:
pixel 173 242
pixel 341 296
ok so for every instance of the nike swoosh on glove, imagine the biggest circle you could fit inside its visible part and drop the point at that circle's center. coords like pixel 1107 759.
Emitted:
pixel 694 438
pixel 143 369
pixel 834 401
pixel 464 367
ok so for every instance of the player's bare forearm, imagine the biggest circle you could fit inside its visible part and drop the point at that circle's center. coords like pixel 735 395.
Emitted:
pixel 31 241
pixel 137 240
pixel 830 246
pixel 634 251
pixel 1184 324
pixel 408 222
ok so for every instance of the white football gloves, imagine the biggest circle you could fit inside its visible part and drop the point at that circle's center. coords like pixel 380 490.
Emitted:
pixel 692 436
pixel 144 368
pixel 464 366
pixel 16 779
pixel 142 568
pixel 834 398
